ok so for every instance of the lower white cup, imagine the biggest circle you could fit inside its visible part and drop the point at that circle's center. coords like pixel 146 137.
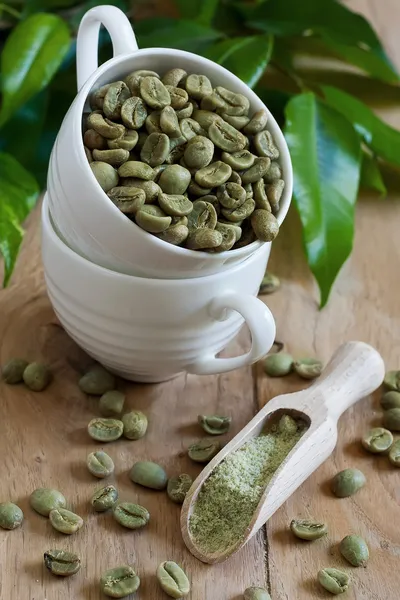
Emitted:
pixel 150 330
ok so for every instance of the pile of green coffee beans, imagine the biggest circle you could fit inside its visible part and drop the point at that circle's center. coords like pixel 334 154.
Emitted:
pixel 184 160
pixel 279 364
pixel 35 375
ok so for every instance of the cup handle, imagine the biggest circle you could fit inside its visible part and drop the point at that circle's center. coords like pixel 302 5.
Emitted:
pixel 259 320
pixel 121 33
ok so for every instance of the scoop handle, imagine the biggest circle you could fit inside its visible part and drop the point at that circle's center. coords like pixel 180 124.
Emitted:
pixel 355 370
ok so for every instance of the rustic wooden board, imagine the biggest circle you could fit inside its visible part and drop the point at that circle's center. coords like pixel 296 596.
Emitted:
pixel 43 440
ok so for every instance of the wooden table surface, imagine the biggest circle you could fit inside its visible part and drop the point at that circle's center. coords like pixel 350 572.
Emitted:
pixel 43 441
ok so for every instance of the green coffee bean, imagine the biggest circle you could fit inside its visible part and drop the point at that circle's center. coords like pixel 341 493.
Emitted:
pixel 235 104
pixel 377 440
pixel 150 188
pixel 242 212
pixel 114 98
pixel 174 77
pixel 44 500
pixel 354 549
pixel 62 563
pixel 199 152
pixel 269 284
pixel 205 118
pixel 135 168
pixel 175 155
pixel 151 218
pixel 212 102
pixel 128 199
pixel 178 487
pixel 119 582
pixel 348 482
pixel 111 403
pixel 185 112
pixel 174 205
pixel 265 225
pixel 278 365
pixel 198 86
pixel 305 529
pixel 106 175
pixel 202 216
pixel 226 137
pixel 390 400
pixel 155 149
pixel 392 380
pixel 265 146
pixel 97 97
pixel 241 160
pixel 256 593
pixel 391 419
pixel 257 171
pixel 176 234
pixel 203 239
pixel 13 371
pixel 204 450
pixel 154 92
pixel 191 128
pixel 108 129
pixel 113 157
pixel 179 97
pixel 248 236
pixel 153 122
pixel 11 516
pixel 235 178
pixel 135 425
pixel 105 430
pixel 214 424
pixel 133 80
pixel 231 195
pixel 222 225
pixel 133 113
pixel 174 180
pixel 257 123
pixel 88 154
pixel 149 474
pixel 169 122
pixel 274 173
pixel 105 498
pixel 228 239
pixel 334 581
pixel 65 521
pixel 308 368
pixel 236 122
pixel 37 377
pixel 131 516
pixel 127 142
pixel 260 195
pixel 94 140
pixel 100 464
pixel 97 381
pixel 394 454
pixel 173 580
pixel 274 193
pixel 213 175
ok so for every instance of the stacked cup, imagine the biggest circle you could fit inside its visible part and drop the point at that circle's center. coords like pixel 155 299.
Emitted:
pixel 147 310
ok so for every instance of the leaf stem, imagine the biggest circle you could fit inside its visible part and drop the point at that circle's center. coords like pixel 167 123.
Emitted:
pixel 11 11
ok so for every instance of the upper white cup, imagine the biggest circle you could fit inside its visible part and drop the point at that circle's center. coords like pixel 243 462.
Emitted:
pixel 152 329
pixel 82 213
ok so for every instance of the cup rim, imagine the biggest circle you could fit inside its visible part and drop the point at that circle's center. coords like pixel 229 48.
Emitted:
pixel 48 229
pixel 285 159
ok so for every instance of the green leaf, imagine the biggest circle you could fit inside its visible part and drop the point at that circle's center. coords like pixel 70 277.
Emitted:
pixel 18 195
pixel 327 18
pixel 32 54
pixel 184 35
pixel 371 176
pixel 326 157
pixel 380 137
pixel 246 57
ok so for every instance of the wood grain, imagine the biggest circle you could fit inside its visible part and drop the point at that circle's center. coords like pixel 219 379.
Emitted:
pixel 43 439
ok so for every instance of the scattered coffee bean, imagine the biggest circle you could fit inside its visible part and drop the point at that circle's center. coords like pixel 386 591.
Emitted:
pixel 204 450
pixel 65 521
pixel 97 381
pixel 131 516
pixel 44 500
pixel 348 482
pixel 173 580
pixel 178 487
pixel 105 430
pixel 355 550
pixel 214 424
pixel 11 516
pixel 305 529
pixel 390 400
pixel 100 464
pixel 13 371
pixel 105 498
pixel 394 454
pixel 391 419
pixel 269 284
pixel 149 474
pixel 135 425
pixel 334 581
pixel 377 440
pixel 278 364
pixel 392 380
pixel 308 368
pixel 111 403
pixel 119 582
pixel 256 593
pixel 62 563
pixel 37 377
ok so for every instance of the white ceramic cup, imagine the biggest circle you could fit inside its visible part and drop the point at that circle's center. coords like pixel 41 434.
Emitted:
pixel 153 329
pixel 82 213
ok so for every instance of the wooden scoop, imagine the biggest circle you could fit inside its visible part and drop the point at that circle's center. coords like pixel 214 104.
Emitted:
pixel 354 371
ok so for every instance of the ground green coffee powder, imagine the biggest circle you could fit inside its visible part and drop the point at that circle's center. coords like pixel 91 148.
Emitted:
pixel 230 496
